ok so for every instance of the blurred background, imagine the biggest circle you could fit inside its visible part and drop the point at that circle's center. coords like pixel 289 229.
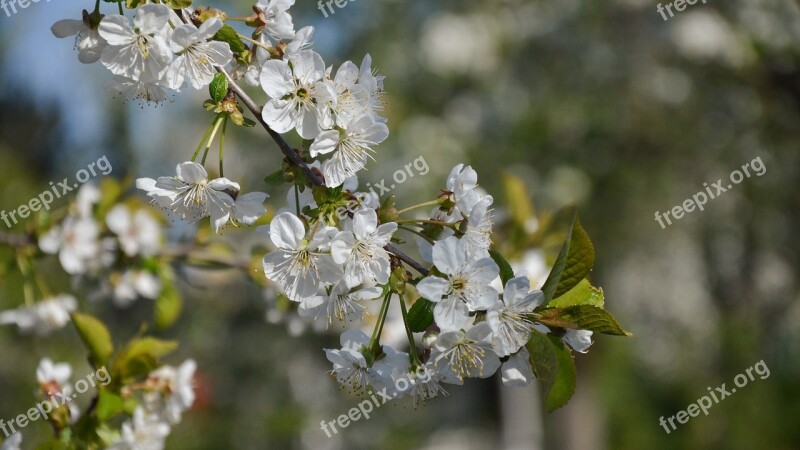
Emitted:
pixel 601 105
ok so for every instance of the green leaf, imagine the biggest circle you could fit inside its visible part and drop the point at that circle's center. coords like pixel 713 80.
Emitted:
pixel 108 405
pixel 275 178
pixel 95 336
pixel 517 198
pixel 573 264
pixel 140 357
pixel 554 368
pixel 506 272
pixel 566 377
pixel 130 4
pixel 178 4
pixel 584 317
pixel 582 294
pixel 168 306
pixel 228 34
pixel 544 361
pixel 420 316
pixel 218 88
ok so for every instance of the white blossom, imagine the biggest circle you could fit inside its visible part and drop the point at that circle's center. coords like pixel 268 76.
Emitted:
pixel 13 442
pixel 373 85
pixel 467 355
pixel 191 195
pixel 248 208
pixel 465 288
pixel 133 284
pixel 88 41
pixel 299 264
pixel 462 182
pixel 145 431
pixel 138 50
pixel 145 89
pixel 579 340
pixel 351 370
pixel 54 378
pixel 195 55
pixel 360 249
pixel 278 20
pixel 41 318
pixel 517 371
pixel 138 233
pixel 510 318
pixel 350 146
pixel 478 237
pixel 175 389
pixel 75 241
pixel 342 303
pixel 294 90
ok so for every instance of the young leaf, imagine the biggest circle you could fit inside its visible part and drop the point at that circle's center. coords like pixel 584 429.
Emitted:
pixel 582 294
pixel 587 317
pixel 506 272
pixel 168 306
pixel 228 34
pixel 420 316
pixel 517 198
pixel 573 264
pixel 566 377
pixel 108 405
pixel 554 368
pixel 218 88
pixel 544 361
pixel 140 357
pixel 95 336
pixel 178 4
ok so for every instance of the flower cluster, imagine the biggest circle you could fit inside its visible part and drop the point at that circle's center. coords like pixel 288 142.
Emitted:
pixel 167 393
pixel 153 52
pixel 332 250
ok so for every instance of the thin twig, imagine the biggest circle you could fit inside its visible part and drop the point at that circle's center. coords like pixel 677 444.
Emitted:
pixel 295 159
pixel 14 239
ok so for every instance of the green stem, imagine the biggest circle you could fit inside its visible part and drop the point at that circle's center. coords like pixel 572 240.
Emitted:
pixel 374 343
pixel 297 199
pixel 96 7
pixel 413 356
pixel 422 221
pixel 205 138
pixel 121 12
pixel 222 145
pixel 217 123
pixel 411 230
pixel 254 42
pixel 27 287
pixel 419 205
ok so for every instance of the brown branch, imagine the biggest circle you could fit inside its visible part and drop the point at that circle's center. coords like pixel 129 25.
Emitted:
pixel 286 149
pixel 295 159
pixel 15 239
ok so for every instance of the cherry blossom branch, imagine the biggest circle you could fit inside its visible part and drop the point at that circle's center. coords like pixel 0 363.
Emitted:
pixel 295 159
pixel 14 239
pixel 286 149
